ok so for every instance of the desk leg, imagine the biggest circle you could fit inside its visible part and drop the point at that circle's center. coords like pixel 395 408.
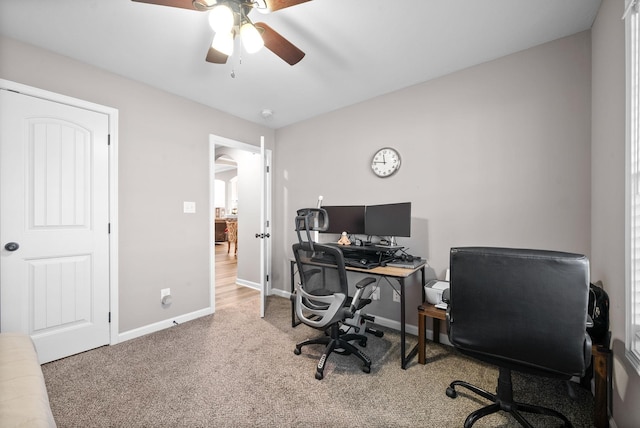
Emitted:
pixel 422 271
pixel 421 333
pixel 403 345
pixel 403 335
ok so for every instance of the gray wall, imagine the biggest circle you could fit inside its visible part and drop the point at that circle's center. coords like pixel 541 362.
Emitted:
pixel 163 161
pixel 608 199
pixel 497 154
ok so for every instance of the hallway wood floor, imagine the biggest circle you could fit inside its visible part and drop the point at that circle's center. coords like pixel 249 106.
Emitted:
pixel 228 293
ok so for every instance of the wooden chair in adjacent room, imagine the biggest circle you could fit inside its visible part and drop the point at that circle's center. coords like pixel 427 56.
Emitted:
pixel 232 235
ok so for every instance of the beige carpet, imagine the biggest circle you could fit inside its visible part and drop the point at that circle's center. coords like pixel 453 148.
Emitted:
pixel 233 369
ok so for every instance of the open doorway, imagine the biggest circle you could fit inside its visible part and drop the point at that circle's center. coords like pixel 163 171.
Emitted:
pixel 227 289
pixel 253 214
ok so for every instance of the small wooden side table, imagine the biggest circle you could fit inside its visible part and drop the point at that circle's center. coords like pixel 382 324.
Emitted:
pixel 428 310
pixel 602 357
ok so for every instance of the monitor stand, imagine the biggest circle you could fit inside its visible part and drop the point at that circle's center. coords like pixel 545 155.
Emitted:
pixel 391 243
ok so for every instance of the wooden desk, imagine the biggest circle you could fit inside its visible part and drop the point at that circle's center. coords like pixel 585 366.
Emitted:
pixel 388 272
pixel 428 310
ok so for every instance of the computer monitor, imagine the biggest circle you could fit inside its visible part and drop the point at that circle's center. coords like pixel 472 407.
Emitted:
pixel 346 218
pixel 388 220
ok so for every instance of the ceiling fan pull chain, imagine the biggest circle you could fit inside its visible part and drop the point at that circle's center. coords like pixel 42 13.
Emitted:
pixel 233 69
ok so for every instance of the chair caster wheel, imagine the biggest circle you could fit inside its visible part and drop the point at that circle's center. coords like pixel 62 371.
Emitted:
pixel 319 376
pixel 366 369
pixel 297 351
pixel 363 343
pixel 451 393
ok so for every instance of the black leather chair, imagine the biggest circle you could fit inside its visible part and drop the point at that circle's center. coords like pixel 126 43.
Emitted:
pixel 523 310
pixel 322 296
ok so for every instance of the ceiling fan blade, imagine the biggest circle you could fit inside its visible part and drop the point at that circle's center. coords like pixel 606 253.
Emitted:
pixel 274 5
pixel 279 45
pixel 184 4
pixel 216 57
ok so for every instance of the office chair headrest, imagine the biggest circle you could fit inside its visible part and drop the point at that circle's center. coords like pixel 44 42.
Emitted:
pixel 311 220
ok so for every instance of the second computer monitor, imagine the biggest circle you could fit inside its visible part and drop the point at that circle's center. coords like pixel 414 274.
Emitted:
pixel 389 220
pixel 346 218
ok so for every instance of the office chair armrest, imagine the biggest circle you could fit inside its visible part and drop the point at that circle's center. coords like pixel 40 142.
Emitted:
pixel 587 340
pixel 587 348
pixel 364 282
pixel 589 321
pixel 358 303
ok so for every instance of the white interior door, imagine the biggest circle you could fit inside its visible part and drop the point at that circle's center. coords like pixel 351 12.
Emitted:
pixel 265 227
pixel 54 204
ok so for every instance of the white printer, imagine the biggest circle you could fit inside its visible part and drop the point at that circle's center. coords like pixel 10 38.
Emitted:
pixel 433 291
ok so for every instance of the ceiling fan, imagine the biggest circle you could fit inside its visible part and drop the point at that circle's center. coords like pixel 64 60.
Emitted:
pixel 228 18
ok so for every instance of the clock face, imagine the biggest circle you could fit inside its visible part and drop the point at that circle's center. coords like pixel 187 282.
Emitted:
pixel 385 162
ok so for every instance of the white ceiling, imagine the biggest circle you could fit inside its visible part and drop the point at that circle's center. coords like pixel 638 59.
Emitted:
pixel 355 49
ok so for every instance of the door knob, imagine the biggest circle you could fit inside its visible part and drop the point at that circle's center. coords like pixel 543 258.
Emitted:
pixel 11 246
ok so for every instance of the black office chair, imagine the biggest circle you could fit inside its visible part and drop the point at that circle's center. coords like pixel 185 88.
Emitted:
pixel 322 296
pixel 523 310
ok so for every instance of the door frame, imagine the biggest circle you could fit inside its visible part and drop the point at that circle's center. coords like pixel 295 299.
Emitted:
pixel 112 113
pixel 266 192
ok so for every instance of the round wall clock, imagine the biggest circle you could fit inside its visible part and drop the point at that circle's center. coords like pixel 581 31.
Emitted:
pixel 385 162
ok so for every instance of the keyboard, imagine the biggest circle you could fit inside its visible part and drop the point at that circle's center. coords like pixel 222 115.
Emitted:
pixel 406 264
pixel 361 263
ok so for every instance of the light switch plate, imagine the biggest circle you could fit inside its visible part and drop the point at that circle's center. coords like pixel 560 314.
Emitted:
pixel 189 207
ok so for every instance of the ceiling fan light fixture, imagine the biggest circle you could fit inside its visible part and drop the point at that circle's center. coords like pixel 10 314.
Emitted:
pixel 251 38
pixel 221 19
pixel 223 42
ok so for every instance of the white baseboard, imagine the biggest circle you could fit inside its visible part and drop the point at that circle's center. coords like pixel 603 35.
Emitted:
pixel 409 328
pixel 249 284
pixel 152 328
pixel 394 325
pixel 281 293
